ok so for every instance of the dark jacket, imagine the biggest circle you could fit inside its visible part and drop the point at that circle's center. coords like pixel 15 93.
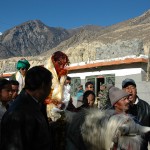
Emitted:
pixel 24 126
pixel 141 111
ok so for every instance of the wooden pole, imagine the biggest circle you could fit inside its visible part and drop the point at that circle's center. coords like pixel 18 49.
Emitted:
pixel 148 66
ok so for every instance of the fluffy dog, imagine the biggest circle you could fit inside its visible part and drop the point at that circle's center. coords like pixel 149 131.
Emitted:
pixel 94 129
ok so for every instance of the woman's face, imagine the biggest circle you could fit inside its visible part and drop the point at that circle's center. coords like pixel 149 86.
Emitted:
pixel 91 100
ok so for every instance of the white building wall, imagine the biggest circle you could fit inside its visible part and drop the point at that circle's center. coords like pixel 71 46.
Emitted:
pixel 137 74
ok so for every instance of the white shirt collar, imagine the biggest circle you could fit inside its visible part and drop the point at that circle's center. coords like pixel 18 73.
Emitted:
pixel 137 100
pixel 35 99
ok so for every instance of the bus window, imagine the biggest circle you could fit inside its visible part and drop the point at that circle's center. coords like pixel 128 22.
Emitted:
pixel 110 79
pixel 75 82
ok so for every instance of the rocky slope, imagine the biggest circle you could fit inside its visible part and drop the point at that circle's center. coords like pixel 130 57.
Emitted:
pixel 30 39
pixel 122 39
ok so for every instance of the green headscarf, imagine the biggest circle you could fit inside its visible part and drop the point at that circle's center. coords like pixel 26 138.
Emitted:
pixel 23 63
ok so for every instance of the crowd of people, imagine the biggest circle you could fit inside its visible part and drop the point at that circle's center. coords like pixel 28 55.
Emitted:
pixel 26 123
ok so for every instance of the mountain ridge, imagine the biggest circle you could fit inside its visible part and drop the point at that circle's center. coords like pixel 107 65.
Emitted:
pixel 34 38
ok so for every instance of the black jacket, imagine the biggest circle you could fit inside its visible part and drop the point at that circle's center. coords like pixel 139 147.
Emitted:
pixel 24 126
pixel 141 111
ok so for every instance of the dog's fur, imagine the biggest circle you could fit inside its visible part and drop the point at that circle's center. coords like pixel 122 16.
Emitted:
pixel 101 129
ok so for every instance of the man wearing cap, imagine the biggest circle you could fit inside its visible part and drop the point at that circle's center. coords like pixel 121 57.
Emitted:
pixel 119 99
pixel 22 67
pixel 138 107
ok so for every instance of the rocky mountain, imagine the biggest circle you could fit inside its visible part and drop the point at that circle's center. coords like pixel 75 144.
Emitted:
pixel 30 39
pixel 37 42
pixel 131 37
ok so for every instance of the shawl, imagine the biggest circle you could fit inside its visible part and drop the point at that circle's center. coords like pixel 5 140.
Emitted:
pixel 56 94
pixel 21 81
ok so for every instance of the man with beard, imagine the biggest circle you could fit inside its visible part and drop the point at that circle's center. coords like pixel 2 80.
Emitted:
pixel 138 107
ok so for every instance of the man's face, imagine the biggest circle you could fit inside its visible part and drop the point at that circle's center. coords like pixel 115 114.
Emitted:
pixel 15 89
pixel 42 93
pixel 6 93
pixel 90 87
pixel 23 71
pixel 67 82
pixel 102 87
pixel 131 89
pixel 122 105
pixel 81 88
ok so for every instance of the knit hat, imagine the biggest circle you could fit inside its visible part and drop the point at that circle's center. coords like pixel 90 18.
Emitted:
pixel 127 82
pixel 109 86
pixel 115 94
pixel 23 63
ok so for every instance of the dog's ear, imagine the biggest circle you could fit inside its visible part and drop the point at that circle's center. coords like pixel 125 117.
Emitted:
pixel 137 129
pixel 132 128
pixel 143 129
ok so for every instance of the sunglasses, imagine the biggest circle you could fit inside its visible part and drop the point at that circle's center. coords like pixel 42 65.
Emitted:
pixel 15 91
pixel 91 87
pixel 24 69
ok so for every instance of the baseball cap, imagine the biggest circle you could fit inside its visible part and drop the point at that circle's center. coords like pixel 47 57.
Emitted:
pixel 127 82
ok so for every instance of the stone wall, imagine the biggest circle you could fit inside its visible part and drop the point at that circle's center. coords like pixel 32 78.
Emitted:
pixel 9 65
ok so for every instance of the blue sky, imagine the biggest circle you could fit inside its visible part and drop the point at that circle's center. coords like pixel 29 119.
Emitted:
pixel 69 13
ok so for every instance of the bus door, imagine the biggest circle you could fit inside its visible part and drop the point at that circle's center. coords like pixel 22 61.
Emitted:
pixel 100 81
pixel 75 82
pixel 110 79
